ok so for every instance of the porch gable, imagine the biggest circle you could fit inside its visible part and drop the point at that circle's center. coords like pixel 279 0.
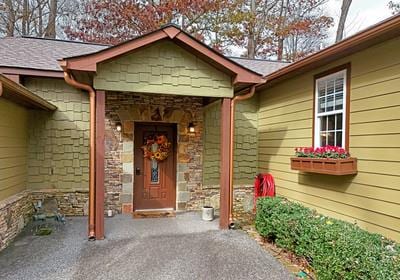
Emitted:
pixel 163 68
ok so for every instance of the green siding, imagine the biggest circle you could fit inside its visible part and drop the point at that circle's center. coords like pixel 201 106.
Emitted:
pixel 58 141
pixel 13 148
pixel 372 197
pixel 212 143
pixel 245 152
pixel 163 68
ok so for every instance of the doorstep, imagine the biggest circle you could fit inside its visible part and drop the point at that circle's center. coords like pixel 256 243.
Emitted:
pixel 153 213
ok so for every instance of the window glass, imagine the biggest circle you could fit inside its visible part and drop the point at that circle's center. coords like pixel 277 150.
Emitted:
pixel 330 96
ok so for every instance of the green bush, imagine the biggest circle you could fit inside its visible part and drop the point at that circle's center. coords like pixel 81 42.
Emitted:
pixel 335 249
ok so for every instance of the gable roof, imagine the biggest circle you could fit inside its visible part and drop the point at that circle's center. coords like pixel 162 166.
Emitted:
pixel 23 96
pixel 42 54
pixel 380 32
pixel 39 53
pixel 89 62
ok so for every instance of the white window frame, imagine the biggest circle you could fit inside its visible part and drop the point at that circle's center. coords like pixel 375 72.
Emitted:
pixel 317 123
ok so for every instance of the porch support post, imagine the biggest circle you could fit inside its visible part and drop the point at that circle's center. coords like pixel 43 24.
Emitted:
pixel 225 163
pixel 99 193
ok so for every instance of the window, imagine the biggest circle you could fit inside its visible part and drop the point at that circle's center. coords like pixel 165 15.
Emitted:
pixel 330 110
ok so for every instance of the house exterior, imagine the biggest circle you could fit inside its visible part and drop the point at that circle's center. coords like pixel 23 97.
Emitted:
pixel 148 125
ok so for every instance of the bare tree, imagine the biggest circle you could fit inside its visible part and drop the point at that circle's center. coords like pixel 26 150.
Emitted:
pixel 251 42
pixel 342 20
pixel 41 18
pixel 9 17
pixel 51 25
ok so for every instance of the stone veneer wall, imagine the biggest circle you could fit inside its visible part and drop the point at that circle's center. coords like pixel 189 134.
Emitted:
pixel 126 108
pixel 70 203
pixel 15 213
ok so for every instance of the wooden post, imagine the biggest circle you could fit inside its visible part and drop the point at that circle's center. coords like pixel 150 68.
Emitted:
pixel 225 161
pixel 99 194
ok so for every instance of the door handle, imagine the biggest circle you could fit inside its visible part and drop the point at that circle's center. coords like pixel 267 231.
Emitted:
pixel 137 171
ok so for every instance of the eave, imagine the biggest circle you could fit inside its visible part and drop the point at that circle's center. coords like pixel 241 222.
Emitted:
pixel 376 34
pixel 23 96
pixel 88 63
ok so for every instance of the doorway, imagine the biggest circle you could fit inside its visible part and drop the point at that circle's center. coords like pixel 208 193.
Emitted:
pixel 155 167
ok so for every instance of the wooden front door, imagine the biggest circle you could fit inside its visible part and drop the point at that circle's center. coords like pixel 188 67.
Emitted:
pixel 154 186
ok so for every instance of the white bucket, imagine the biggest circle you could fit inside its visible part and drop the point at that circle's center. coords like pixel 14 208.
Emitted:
pixel 208 213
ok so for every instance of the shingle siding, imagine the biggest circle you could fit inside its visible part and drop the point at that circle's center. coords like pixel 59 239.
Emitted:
pixel 58 141
pixel 163 68
pixel 245 151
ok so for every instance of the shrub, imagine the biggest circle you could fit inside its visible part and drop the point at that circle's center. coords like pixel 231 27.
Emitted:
pixel 334 249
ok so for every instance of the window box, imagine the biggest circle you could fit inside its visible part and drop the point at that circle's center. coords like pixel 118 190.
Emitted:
pixel 329 166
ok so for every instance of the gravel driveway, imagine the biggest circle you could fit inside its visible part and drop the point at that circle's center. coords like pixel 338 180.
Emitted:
pixel 184 247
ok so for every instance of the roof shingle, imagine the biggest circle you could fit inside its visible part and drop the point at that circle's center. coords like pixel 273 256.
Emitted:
pixel 261 66
pixel 42 54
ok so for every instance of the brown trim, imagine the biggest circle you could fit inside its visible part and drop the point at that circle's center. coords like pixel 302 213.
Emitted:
pixel 333 70
pixel 21 95
pixel 378 33
pixel 225 163
pixel 69 79
pixel 31 72
pixel 348 100
pixel 243 75
pixel 13 77
pixel 249 94
pixel 100 128
pixel 89 62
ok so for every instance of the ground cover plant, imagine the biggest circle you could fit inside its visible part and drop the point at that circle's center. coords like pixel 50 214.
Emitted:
pixel 334 249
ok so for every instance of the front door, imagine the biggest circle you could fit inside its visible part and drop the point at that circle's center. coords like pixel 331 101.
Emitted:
pixel 154 169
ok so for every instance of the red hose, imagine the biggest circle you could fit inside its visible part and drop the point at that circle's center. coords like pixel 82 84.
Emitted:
pixel 264 185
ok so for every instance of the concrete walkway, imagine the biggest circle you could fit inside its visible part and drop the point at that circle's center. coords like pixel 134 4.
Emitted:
pixel 184 247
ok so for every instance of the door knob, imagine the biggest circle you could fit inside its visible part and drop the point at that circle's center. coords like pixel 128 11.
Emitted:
pixel 137 171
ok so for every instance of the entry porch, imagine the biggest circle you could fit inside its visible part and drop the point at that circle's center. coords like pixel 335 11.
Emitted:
pixel 164 85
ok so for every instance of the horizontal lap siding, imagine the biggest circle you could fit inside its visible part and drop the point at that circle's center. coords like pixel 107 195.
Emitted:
pixel 372 197
pixel 13 148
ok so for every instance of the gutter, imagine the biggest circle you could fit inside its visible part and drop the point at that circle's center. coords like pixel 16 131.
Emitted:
pixel 237 98
pixel 69 79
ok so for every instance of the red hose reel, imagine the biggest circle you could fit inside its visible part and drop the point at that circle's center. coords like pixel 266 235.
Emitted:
pixel 264 185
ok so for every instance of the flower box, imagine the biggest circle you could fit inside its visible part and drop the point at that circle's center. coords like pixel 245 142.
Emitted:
pixel 329 166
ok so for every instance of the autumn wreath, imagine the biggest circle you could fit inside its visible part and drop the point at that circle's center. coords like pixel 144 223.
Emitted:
pixel 157 148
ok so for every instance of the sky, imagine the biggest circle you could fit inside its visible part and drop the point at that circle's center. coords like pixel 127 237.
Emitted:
pixel 362 13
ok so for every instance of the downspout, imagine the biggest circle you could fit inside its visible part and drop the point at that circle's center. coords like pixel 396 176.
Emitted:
pixel 232 142
pixel 69 79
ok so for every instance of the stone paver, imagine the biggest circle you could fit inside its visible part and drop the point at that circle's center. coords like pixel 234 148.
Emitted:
pixel 184 247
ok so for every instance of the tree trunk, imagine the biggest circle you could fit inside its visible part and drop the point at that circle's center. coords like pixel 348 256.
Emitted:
pixel 11 18
pixel 282 23
pixel 25 16
pixel 251 44
pixel 342 20
pixel 40 21
pixel 51 25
